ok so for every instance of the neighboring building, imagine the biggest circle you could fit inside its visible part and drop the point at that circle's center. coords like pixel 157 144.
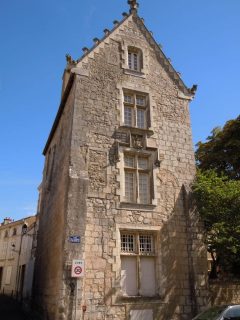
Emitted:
pixel 118 165
pixel 16 258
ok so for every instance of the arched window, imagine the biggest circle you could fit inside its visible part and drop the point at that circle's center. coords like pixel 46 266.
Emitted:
pixel 14 232
pixel 6 234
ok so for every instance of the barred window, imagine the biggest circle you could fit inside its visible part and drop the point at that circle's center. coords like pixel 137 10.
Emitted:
pixel 146 243
pixel 138 275
pixel 127 243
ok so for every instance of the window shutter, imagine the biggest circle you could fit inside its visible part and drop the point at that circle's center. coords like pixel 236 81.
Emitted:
pixel 8 275
pixel 129 276
pixel 147 276
pixel 141 315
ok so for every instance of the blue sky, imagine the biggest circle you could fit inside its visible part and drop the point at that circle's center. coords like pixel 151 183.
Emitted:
pixel 200 37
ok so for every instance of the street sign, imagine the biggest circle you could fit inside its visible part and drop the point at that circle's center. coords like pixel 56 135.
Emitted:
pixel 77 268
pixel 74 239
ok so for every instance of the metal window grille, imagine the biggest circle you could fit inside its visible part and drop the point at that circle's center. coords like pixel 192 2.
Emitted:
pixel 127 243
pixel 146 243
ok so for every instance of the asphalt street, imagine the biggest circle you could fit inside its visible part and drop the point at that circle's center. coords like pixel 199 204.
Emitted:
pixel 10 309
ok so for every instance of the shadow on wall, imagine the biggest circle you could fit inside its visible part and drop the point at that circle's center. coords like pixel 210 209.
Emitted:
pixel 224 292
pixel 183 260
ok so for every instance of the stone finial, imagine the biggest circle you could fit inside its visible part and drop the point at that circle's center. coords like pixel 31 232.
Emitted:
pixel 70 59
pixel 125 14
pixel 133 5
pixel 85 50
pixel 96 40
pixel 115 22
pixel 106 31
pixel 193 89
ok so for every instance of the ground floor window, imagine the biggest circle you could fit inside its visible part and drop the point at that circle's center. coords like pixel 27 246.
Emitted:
pixel 138 274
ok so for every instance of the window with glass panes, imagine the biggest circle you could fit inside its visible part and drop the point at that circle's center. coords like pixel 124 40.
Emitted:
pixel 137 178
pixel 134 59
pixel 138 264
pixel 135 110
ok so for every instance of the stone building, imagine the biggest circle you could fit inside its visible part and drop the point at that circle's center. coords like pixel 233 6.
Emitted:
pixel 16 256
pixel 118 165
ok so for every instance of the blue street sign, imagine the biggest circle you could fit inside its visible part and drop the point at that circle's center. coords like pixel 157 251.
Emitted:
pixel 75 239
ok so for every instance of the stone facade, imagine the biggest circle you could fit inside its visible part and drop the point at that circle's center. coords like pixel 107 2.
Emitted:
pixel 84 189
pixel 17 256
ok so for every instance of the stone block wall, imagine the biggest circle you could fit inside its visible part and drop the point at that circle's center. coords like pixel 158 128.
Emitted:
pixel 52 219
pixel 224 292
pixel 88 194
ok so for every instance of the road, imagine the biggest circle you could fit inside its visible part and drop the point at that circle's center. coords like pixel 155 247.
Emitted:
pixel 10 309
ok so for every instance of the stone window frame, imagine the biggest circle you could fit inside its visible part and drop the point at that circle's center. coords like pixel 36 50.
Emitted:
pixel 131 46
pixel 160 285
pixel 137 254
pixel 135 59
pixel 121 178
pixel 137 171
pixel 127 86
pixel 142 92
pixel 135 107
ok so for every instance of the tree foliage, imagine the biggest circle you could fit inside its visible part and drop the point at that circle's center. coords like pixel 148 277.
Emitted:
pixel 217 192
pixel 221 152
pixel 218 200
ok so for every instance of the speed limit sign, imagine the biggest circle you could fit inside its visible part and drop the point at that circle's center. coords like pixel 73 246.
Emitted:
pixel 77 268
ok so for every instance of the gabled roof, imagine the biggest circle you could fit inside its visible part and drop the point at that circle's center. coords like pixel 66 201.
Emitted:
pixel 165 61
pixel 72 64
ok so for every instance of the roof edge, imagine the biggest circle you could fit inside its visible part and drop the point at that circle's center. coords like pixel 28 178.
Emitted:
pixel 187 90
pixel 60 111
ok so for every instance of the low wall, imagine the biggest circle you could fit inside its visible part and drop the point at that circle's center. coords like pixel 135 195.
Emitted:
pixel 224 292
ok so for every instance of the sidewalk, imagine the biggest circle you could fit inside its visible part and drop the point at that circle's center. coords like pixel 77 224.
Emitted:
pixel 10 309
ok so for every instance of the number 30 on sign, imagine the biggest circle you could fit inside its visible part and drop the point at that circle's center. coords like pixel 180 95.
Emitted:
pixel 77 269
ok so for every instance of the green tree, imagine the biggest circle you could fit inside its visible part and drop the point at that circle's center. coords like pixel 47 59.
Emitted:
pixel 221 151
pixel 218 201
